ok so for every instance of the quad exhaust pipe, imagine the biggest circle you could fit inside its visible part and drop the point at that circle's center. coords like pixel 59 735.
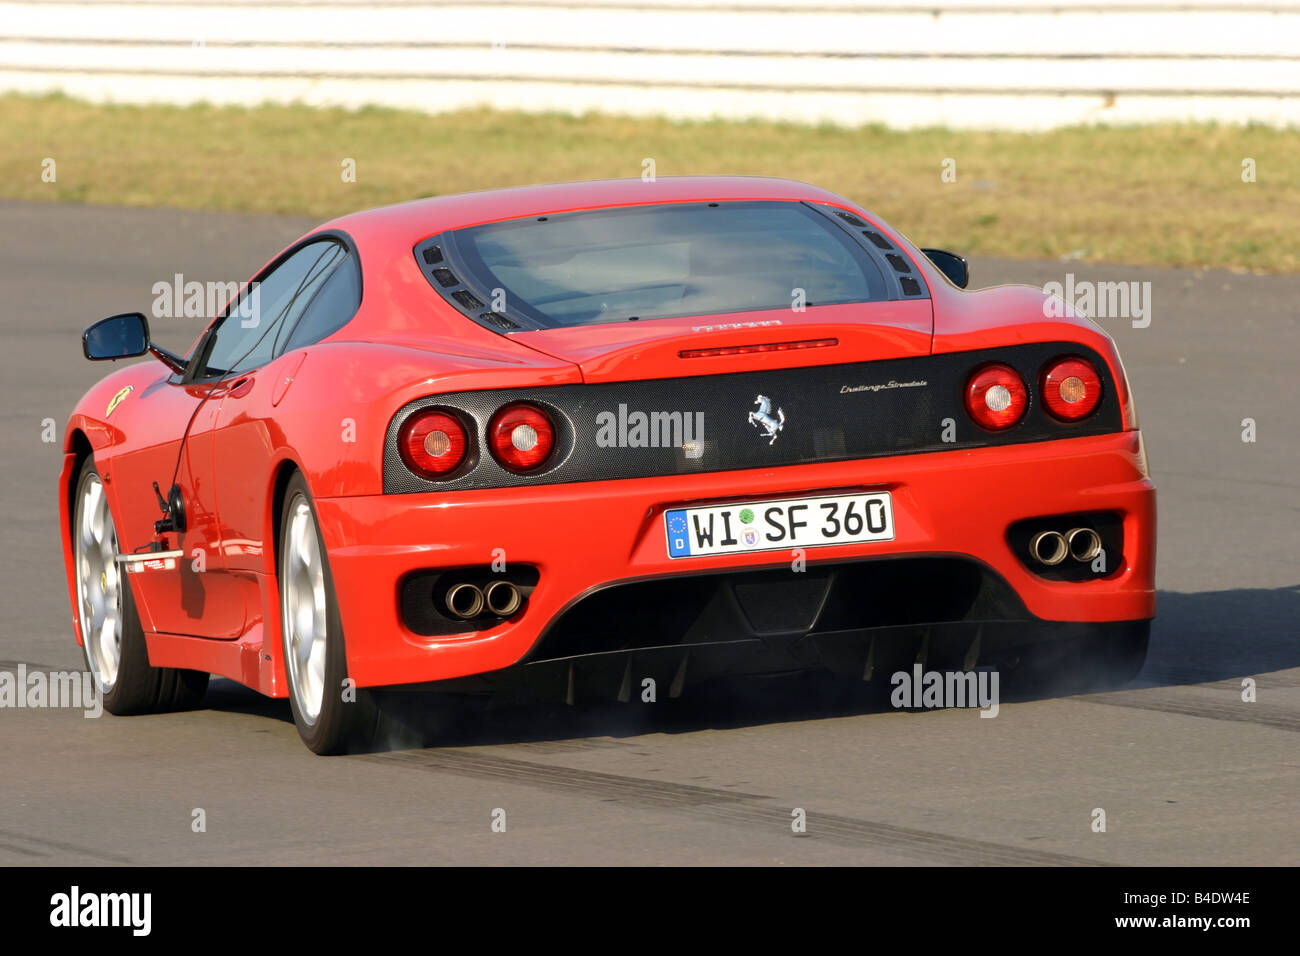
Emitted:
pixel 1050 548
pixel 465 601
pixel 1084 544
pixel 503 598
pixel 500 598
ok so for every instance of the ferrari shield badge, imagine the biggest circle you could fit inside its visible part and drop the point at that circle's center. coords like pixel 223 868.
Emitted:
pixel 117 399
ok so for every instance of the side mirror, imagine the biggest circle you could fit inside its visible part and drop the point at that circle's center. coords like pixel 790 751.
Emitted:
pixel 951 265
pixel 125 336
pixel 116 337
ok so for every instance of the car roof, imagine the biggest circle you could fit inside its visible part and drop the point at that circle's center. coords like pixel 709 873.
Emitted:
pixel 409 222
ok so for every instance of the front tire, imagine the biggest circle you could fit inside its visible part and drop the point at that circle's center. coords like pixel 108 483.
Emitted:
pixel 331 718
pixel 113 640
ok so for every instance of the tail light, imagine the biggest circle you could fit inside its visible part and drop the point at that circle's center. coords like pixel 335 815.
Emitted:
pixel 521 437
pixel 996 397
pixel 432 443
pixel 1071 389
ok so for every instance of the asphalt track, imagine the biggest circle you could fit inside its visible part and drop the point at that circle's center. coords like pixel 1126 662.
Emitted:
pixel 1186 771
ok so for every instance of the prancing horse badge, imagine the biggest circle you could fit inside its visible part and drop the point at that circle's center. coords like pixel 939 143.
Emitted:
pixel 117 399
pixel 764 419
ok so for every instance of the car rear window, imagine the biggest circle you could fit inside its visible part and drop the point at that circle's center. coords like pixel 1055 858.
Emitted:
pixel 661 261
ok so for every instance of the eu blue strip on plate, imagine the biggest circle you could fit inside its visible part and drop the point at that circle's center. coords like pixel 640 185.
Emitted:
pixel 679 545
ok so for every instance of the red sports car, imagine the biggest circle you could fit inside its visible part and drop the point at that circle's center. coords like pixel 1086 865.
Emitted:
pixel 590 436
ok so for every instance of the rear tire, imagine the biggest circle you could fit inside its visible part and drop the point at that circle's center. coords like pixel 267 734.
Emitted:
pixel 330 718
pixel 1105 656
pixel 1120 652
pixel 113 640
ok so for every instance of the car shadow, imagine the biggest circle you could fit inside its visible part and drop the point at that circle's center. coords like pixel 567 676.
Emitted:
pixel 1197 638
pixel 1208 636
pixel 231 697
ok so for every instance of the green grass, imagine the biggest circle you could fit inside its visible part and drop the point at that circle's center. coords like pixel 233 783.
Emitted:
pixel 1165 195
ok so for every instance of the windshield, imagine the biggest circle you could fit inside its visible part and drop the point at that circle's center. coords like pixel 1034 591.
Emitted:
pixel 652 262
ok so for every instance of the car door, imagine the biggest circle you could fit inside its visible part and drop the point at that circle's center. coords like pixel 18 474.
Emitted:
pixel 176 595
pixel 316 291
pixel 199 592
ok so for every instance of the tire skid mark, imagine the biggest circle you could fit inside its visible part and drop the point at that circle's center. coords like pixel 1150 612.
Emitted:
pixel 726 807
pixel 31 666
pixel 906 841
pixel 1170 701
pixel 1180 677
pixel 630 790
pixel 578 744
pixel 38 846
pixel 23 851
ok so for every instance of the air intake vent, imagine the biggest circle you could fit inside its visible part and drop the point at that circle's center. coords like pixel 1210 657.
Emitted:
pixel 851 219
pixel 898 262
pixel 877 240
pixel 910 286
pixel 499 319
pixel 439 262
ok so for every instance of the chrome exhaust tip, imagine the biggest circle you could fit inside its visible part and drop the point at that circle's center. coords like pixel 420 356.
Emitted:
pixel 465 601
pixel 1084 544
pixel 1049 548
pixel 503 598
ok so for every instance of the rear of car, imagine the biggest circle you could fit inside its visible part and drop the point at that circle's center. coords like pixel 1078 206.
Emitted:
pixel 793 444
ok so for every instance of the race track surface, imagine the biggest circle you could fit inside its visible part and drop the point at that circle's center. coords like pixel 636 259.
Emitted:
pixel 1186 771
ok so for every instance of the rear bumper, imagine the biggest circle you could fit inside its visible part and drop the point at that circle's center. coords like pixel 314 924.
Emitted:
pixel 584 537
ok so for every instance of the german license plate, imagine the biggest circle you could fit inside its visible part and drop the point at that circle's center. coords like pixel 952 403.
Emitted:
pixel 779 525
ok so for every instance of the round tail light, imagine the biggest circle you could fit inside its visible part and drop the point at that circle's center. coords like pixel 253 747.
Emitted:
pixel 432 443
pixel 996 397
pixel 1071 389
pixel 521 437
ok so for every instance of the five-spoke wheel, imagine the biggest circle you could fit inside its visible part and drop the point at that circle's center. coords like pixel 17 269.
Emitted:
pixel 114 643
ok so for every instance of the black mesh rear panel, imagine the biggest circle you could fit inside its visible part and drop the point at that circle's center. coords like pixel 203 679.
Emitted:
pixel 831 413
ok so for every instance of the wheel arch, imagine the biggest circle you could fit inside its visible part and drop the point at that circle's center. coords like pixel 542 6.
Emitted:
pixel 79 447
pixel 272 677
pixel 281 475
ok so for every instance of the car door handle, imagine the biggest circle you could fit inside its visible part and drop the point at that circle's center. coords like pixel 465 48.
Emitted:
pixel 242 387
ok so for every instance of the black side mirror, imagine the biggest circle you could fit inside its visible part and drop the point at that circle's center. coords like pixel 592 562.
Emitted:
pixel 951 265
pixel 125 336
pixel 116 337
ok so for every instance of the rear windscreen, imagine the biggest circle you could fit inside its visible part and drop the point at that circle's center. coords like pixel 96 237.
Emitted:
pixel 652 262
